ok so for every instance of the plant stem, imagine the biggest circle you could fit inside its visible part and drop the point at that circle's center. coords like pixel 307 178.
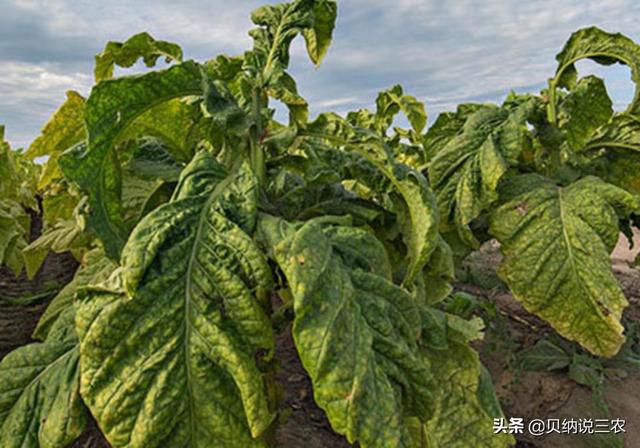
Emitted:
pixel 257 152
pixel 551 107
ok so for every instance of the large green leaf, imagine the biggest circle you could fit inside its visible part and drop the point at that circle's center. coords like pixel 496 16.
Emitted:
pixel 167 355
pixel 64 129
pixel 413 201
pixel 465 173
pixel 112 107
pixel 601 47
pixel 556 242
pixel 125 54
pixel 40 404
pixel 355 331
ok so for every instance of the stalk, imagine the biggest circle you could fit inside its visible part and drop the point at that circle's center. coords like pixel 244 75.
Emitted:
pixel 551 107
pixel 257 151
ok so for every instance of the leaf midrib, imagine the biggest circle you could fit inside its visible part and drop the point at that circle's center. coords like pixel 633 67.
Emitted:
pixel 202 221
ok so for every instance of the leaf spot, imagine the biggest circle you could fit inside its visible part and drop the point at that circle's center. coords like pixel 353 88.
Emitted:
pixel 522 208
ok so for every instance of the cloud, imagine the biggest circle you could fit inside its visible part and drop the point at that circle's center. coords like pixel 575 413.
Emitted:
pixel 441 52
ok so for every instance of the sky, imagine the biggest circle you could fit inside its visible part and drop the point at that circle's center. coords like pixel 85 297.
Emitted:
pixel 442 52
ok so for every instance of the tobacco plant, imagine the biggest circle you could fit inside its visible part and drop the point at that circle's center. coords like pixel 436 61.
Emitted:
pixel 17 196
pixel 553 179
pixel 201 222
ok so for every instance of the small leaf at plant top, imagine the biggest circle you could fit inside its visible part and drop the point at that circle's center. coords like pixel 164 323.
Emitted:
pixel 279 24
pixel 318 37
pixel 125 54
pixel 168 345
pixel 556 242
pixel 392 101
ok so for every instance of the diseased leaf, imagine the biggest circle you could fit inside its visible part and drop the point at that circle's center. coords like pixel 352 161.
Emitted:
pixel 392 101
pixel 615 150
pixel 18 175
pixel 284 89
pixel 15 224
pixel 583 111
pixel 355 331
pixel 58 238
pixel 466 405
pixel 111 108
pixel 466 172
pixel 125 54
pixel 413 200
pixel 603 48
pixel 177 123
pixel 439 273
pixel 40 404
pixel 168 345
pixel 318 38
pixel 556 242
pixel 279 24
pixel 64 129
pixel 446 126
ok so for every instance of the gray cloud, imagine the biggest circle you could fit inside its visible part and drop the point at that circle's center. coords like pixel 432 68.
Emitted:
pixel 442 52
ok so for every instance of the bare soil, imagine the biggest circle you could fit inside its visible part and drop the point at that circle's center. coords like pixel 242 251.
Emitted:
pixel 553 395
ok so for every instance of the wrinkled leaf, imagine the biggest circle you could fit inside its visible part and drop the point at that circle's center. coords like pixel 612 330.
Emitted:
pixel 615 149
pixel 466 172
pixel 603 48
pixel 466 404
pixel 125 54
pixel 168 345
pixel 318 37
pixel 15 224
pixel 40 404
pixel 64 129
pixel 413 200
pixel 355 331
pixel 556 242
pixel 583 111
pixel 111 108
